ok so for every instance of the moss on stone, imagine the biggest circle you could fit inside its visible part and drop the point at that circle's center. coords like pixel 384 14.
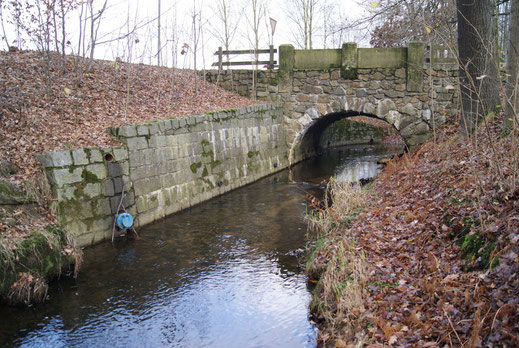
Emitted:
pixel 251 154
pixel 209 153
pixel 215 164
pixel 195 166
pixel 89 177
pixel 208 183
pixel 10 194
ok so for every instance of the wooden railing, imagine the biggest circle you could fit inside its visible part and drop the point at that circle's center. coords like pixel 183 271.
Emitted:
pixel 271 63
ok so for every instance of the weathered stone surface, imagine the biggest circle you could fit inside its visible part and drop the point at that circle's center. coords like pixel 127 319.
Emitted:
pixel 80 157
pixel 137 143
pixel 55 159
pixel 92 190
pixel 127 131
pixel 65 193
pixel 409 109
pixel 384 106
pixel 108 188
pixel 400 73
pixel 11 194
pixel 60 177
pixel 114 169
pixel 143 129
pixel 369 108
pixel 95 155
pixel 98 170
pixel 120 154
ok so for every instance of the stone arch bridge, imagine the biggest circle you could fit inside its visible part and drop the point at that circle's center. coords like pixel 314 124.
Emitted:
pixel 410 88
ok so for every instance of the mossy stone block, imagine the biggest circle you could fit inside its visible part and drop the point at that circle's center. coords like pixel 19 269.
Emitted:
pixel 120 153
pixel 65 176
pixel 80 157
pixel 415 63
pixel 127 131
pixel 382 57
pixel 55 159
pixel 98 170
pixel 317 59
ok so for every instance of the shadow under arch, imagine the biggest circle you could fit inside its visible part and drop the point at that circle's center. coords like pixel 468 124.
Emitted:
pixel 307 143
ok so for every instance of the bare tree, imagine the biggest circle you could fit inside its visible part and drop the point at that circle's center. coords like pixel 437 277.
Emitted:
pixel 257 11
pixel 303 15
pixel 4 34
pixel 196 28
pixel 401 21
pixel 227 25
pixel 16 10
pixel 95 22
pixel 159 45
pixel 478 71
pixel 512 86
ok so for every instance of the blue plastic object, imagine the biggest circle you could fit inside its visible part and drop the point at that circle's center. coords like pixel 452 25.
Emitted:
pixel 124 221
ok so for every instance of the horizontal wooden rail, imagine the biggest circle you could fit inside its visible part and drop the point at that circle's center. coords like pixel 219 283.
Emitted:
pixel 261 62
pixel 270 63
pixel 245 51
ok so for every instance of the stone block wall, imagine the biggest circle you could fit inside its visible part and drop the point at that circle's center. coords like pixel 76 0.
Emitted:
pixel 317 87
pixel 381 92
pixel 346 132
pixel 87 184
pixel 240 82
pixel 177 163
pixel 163 167
pixel 315 96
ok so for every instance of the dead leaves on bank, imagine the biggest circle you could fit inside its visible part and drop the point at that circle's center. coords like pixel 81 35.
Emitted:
pixel 78 108
pixel 434 214
pixel 72 109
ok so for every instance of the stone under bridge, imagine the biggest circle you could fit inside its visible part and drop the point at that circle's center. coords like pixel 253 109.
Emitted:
pixel 411 89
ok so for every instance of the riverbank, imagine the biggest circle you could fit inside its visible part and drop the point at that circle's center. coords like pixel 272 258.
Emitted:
pixel 60 104
pixel 431 259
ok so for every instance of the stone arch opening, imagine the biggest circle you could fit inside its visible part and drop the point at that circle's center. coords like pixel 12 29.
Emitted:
pixel 309 141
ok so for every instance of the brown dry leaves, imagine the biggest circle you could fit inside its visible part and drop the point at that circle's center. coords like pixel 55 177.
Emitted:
pixel 419 294
pixel 79 108
pixel 76 110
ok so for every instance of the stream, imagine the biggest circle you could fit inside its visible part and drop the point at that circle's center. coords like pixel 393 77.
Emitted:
pixel 225 273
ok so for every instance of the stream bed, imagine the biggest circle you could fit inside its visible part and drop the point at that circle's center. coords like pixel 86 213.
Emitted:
pixel 225 273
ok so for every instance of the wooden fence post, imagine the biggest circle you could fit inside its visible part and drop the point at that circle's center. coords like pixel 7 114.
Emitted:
pixel 271 64
pixel 220 58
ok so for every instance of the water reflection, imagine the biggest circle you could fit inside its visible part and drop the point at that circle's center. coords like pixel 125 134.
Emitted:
pixel 222 274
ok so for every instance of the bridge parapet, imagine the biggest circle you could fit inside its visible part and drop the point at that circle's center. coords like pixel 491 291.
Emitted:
pixel 393 84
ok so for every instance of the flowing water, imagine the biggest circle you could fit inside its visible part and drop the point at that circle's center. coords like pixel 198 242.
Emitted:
pixel 224 273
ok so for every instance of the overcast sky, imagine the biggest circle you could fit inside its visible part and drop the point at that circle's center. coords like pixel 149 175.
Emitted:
pixel 176 28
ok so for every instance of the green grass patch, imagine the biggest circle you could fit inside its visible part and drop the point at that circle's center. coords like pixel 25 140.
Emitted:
pixel 43 255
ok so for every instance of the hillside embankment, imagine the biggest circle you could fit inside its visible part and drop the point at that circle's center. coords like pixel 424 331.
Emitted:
pixel 57 103
pixel 428 255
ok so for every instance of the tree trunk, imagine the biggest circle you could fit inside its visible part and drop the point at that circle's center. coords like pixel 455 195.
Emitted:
pixel 512 89
pixel 159 45
pixel 478 70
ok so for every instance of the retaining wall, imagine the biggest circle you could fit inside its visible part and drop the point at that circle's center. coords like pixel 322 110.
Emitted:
pixel 346 132
pixel 164 166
